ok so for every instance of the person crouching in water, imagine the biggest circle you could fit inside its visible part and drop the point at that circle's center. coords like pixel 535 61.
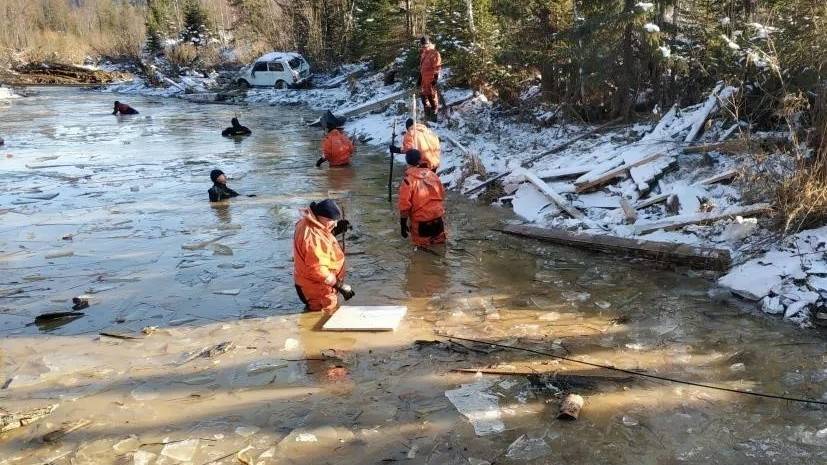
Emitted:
pixel 219 190
pixel 236 130
pixel 337 148
pixel 421 200
pixel 318 260
pixel 123 109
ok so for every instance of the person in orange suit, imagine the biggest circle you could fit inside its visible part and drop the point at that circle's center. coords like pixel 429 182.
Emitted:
pixel 337 148
pixel 318 260
pixel 421 203
pixel 430 65
pixel 420 137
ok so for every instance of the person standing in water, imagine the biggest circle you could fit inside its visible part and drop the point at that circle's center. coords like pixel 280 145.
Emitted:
pixel 420 137
pixel 421 203
pixel 236 130
pixel 318 259
pixel 123 109
pixel 337 148
pixel 219 190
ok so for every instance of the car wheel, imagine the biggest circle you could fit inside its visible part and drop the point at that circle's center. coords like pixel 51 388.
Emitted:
pixel 243 84
pixel 280 85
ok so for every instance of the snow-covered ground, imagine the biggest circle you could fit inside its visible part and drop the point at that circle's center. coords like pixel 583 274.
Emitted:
pixel 670 194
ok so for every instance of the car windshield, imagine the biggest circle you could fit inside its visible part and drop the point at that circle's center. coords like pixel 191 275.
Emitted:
pixel 295 63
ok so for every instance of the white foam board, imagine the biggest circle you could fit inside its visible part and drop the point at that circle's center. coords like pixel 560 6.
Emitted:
pixel 364 318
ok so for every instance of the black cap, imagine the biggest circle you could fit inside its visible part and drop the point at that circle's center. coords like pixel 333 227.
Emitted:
pixel 425 40
pixel 413 157
pixel 409 123
pixel 117 102
pixel 235 122
pixel 331 121
pixel 326 208
pixel 214 174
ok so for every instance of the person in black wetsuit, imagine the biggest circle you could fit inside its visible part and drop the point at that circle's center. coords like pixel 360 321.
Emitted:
pixel 236 130
pixel 123 109
pixel 219 190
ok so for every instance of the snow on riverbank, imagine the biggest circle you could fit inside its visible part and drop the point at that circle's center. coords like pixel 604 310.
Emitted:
pixel 636 181
pixel 790 280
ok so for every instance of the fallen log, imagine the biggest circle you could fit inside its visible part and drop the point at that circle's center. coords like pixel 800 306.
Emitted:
pixel 683 254
pixel 14 420
pixel 554 196
pixel 678 222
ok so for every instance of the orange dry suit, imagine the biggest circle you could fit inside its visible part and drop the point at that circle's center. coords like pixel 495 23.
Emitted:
pixel 337 148
pixel 316 254
pixel 426 141
pixel 421 199
pixel 430 65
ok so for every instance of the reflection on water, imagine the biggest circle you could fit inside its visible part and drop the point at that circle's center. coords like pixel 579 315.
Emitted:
pixel 152 254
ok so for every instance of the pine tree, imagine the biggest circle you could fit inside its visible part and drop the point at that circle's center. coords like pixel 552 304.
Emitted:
pixel 196 29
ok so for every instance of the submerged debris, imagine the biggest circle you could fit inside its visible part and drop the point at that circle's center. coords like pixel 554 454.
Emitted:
pixel 210 351
pixel 480 407
pixel 14 420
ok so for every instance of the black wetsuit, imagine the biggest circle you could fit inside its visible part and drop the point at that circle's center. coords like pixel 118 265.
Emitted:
pixel 236 130
pixel 219 192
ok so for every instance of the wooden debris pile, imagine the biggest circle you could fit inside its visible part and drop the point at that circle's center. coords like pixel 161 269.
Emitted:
pixel 60 74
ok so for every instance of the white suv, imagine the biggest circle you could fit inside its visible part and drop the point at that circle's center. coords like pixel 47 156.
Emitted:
pixel 276 69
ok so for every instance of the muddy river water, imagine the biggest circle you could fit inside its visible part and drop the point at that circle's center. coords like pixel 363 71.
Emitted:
pixel 131 229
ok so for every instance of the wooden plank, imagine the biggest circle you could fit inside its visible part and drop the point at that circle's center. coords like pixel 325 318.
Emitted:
pixel 614 173
pixel 628 212
pixel 652 200
pixel 564 172
pixel 678 222
pixel 662 197
pixel 372 105
pixel 644 174
pixel 554 196
pixel 682 254
pixel 363 318
pixel 456 144
pixel 486 183
pixel 725 135
pixel 725 176
pixel 14 420
pixel 710 105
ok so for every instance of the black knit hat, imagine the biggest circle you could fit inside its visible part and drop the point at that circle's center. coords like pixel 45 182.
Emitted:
pixel 413 157
pixel 214 174
pixel 409 123
pixel 326 208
